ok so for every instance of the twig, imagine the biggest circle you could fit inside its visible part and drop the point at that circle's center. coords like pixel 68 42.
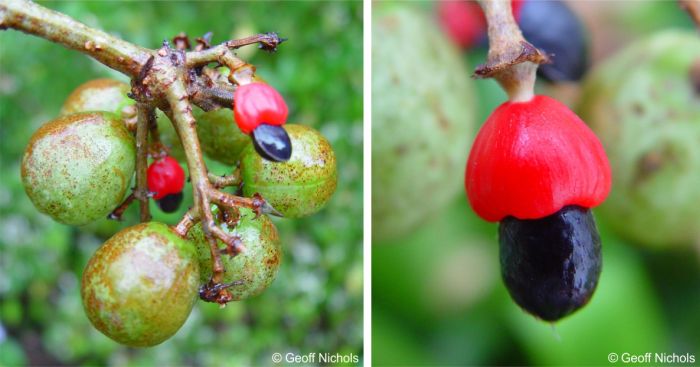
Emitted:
pixel 34 19
pixel 189 219
pixel 220 182
pixel 142 128
pixel 267 41
pixel 512 61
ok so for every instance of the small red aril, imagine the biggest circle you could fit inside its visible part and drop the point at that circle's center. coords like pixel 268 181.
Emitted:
pixel 530 159
pixel 166 179
pixel 463 21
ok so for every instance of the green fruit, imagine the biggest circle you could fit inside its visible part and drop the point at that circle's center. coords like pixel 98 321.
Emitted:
pixel 219 136
pixel 257 266
pixel 140 286
pixel 643 105
pixel 299 187
pixel 98 95
pixel 78 168
pixel 422 121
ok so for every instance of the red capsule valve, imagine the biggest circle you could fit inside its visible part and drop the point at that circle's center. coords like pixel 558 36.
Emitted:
pixel 530 159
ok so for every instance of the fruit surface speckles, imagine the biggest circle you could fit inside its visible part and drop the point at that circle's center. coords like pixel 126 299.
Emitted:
pixel 643 105
pixel 78 168
pixel 532 158
pixel 140 286
pixel 299 187
pixel 551 265
pixel 422 120
pixel 257 266
pixel 98 95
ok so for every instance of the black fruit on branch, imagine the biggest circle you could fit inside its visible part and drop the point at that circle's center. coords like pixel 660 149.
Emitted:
pixel 550 26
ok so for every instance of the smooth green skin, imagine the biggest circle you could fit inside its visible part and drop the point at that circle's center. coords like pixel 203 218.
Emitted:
pixel 78 168
pixel 642 105
pixel 257 266
pixel 299 187
pixel 98 95
pixel 140 286
pixel 422 121
pixel 219 136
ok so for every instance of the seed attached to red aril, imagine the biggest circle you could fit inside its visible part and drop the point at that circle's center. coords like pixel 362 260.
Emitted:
pixel 166 179
pixel 260 111
pixel 538 169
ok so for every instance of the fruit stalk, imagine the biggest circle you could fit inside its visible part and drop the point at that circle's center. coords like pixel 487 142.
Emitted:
pixel 142 128
pixel 512 61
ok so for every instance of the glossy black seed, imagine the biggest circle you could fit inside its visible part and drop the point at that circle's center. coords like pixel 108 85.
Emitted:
pixel 272 143
pixel 551 26
pixel 551 265
pixel 170 203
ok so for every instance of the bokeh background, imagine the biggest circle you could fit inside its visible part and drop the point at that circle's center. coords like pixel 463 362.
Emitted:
pixel 437 293
pixel 315 304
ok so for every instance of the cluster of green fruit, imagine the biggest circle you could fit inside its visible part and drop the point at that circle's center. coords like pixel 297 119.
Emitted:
pixel 141 284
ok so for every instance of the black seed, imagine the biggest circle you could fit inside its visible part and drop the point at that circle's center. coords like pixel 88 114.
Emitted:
pixel 551 265
pixel 170 203
pixel 552 27
pixel 272 143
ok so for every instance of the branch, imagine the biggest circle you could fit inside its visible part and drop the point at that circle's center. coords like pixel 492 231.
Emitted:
pixel 144 113
pixel 34 19
pixel 512 61
pixel 266 41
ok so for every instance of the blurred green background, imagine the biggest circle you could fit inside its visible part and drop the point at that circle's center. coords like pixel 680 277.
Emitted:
pixel 437 294
pixel 315 304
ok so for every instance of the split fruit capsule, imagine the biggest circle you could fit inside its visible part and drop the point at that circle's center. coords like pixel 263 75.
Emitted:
pixel 260 111
pixel 536 168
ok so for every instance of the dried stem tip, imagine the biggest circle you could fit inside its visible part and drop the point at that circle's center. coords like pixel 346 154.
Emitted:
pixel 512 61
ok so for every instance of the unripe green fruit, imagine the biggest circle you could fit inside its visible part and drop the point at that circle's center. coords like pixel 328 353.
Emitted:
pixel 168 136
pixel 78 168
pixel 299 187
pixel 98 95
pixel 140 286
pixel 257 266
pixel 219 136
pixel 422 121
pixel 643 105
